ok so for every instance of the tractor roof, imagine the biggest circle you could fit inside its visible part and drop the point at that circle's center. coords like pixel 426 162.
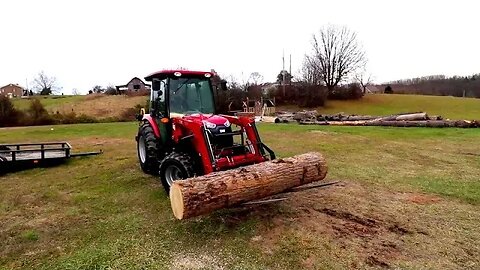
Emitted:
pixel 169 73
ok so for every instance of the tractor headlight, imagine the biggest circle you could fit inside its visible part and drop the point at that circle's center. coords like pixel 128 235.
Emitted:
pixel 227 123
pixel 209 125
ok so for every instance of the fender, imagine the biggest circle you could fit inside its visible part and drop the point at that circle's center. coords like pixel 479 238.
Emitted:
pixel 156 131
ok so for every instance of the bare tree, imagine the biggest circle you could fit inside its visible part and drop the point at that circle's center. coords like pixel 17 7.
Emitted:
pixel 364 79
pixel 256 78
pixel 336 55
pixel 75 92
pixel 45 85
pixel 98 89
pixel 309 72
pixel 111 90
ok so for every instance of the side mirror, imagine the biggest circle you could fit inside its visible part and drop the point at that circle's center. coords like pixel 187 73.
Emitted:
pixel 223 85
pixel 156 85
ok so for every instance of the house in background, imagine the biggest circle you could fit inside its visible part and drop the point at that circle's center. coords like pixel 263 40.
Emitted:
pixel 373 89
pixel 134 85
pixel 12 90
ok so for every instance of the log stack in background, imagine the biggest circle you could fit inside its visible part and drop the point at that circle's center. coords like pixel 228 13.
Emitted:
pixel 201 195
pixel 416 119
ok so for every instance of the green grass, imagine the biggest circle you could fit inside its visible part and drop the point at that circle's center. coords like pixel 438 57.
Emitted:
pixel 30 235
pixel 385 104
pixel 125 130
pixel 102 212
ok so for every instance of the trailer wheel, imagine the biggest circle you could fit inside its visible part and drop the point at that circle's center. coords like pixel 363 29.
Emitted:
pixel 147 149
pixel 175 166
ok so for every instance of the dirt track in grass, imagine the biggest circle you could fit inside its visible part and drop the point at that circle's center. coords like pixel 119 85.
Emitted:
pixel 371 227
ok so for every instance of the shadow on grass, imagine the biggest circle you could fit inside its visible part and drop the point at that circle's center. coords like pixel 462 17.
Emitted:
pixel 237 224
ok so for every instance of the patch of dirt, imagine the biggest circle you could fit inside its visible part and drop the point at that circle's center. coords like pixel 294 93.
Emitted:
pixel 321 132
pixel 399 230
pixel 13 128
pixel 196 261
pixel 419 198
pixel 351 217
pixel 98 142
pixel 374 261
pixel 368 222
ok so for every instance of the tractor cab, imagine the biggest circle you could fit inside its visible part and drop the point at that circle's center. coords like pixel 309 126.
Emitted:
pixel 180 93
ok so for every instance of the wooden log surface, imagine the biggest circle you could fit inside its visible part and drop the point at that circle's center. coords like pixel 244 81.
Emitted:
pixel 412 117
pixel 392 123
pixel 205 194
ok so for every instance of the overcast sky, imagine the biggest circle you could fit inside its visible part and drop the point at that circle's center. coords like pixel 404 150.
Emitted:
pixel 85 43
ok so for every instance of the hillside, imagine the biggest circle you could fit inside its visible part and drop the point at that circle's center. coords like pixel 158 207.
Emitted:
pixel 100 106
pixel 385 104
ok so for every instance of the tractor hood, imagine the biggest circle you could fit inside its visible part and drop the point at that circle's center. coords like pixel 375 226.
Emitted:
pixel 208 119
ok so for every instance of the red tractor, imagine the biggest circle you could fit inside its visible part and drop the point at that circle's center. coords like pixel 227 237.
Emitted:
pixel 182 136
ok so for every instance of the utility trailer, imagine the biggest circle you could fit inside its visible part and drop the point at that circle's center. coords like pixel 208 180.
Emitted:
pixel 19 156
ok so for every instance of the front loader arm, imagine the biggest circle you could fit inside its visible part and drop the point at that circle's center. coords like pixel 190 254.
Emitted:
pixel 248 124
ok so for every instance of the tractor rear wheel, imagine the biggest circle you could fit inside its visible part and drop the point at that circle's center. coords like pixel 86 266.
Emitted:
pixel 147 149
pixel 175 166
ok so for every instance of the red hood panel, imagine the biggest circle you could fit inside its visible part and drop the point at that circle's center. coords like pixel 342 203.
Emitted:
pixel 214 119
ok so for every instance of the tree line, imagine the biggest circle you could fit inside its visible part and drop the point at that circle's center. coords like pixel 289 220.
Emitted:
pixel 440 85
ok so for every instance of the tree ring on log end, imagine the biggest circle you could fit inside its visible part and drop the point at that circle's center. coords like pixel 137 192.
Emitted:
pixel 176 200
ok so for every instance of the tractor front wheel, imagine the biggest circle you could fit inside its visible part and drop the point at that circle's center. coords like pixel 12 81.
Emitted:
pixel 175 166
pixel 147 149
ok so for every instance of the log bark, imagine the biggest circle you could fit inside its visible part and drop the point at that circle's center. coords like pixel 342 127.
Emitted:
pixel 281 119
pixel 412 117
pixel 383 123
pixel 404 117
pixel 360 118
pixel 205 194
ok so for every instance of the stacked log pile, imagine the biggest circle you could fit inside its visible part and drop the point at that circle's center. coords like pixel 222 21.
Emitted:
pixel 416 119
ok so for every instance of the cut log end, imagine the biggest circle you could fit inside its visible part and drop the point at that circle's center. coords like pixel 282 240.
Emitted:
pixel 176 200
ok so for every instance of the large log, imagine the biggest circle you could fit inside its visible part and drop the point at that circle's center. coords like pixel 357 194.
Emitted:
pixel 383 123
pixel 205 194
pixel 412 117
pixel 404 117
pixel 360 118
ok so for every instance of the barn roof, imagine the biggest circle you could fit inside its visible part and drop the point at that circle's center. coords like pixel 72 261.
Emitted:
pixel 125 85
pixel 11 84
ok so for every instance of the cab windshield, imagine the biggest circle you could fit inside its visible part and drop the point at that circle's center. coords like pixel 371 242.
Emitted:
pixel 191 95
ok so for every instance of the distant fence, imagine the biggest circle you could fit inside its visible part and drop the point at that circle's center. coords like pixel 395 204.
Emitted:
pixel 257 110
pixel 259 107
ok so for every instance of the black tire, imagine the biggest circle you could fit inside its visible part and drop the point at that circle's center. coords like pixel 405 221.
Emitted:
pixel 175 166
pixel 149 156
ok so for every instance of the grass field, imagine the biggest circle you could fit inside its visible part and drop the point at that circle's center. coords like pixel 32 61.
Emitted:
pixel 99 106
pixel 385 104
pixel 408 198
